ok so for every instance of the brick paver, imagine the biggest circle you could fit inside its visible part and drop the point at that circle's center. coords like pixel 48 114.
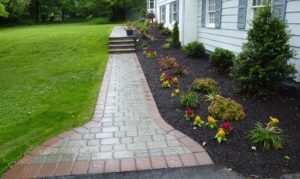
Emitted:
pixel 127 133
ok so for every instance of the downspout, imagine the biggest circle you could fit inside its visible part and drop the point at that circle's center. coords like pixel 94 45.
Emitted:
pixel 183 20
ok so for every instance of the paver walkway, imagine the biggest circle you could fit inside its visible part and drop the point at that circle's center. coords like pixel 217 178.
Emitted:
pixel 127 133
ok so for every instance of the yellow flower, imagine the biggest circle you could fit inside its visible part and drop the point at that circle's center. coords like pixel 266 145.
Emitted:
pixel 211 119
pixel 177 91
pixel 172 94
pixel 198 118
pixel 274 120
pixel 166 82
pixel 220 133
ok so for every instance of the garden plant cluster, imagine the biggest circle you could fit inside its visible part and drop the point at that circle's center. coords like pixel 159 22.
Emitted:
pixel 202 104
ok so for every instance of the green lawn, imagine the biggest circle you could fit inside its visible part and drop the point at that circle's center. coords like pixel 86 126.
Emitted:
pixel 49 79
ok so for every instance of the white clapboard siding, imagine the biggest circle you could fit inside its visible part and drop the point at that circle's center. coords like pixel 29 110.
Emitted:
pixel 229 37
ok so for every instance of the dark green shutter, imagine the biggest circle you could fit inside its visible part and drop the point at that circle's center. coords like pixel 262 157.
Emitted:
pixel 218 14
pixel 242 14
pixel 203 13
pixel 279 7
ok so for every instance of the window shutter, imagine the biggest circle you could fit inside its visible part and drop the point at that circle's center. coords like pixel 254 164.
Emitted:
pixel 170 12
pixel 279 7
pixel 177 11
pixel 203 13
pixel 242 14
pixel 218 14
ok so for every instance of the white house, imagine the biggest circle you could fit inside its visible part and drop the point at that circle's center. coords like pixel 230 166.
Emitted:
pixel 224 23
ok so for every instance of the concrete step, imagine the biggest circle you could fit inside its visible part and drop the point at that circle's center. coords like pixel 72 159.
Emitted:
pixel 118 41
pixel 125 50
pixel 121 38
pixel 122 46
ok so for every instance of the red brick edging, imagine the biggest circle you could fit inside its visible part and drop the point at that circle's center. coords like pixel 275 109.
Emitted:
pixel 24 169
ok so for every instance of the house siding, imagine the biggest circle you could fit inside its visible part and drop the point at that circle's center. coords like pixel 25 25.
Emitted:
pixel 231 38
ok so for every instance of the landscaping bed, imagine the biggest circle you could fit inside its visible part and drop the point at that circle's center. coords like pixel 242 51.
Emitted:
pixel 236 152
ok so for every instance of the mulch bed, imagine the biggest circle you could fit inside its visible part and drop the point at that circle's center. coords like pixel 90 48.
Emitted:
pixel 236 153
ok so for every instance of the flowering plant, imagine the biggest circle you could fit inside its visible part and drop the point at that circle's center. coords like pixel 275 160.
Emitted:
pixel 151 54
pixel 189 114
pixel 168 63
pixel 177 91
pixel 175 81
pixel 198 121
pixel 221 135
pixel 211 122
pixel 166 84
pixel 273 122
pixel 163 76
pixel 226 126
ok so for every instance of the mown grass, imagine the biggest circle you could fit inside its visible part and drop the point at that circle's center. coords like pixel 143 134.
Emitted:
pixel 49 79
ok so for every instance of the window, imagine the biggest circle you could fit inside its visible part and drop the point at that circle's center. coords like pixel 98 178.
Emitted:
pixel 162 14
pixel 174 12
pixel 151 4
pixel 211 12
pixel 257 4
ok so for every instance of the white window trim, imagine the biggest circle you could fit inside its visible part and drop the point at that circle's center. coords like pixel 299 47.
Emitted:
pixel 173 12
pixel 208 24
pixel 150 4
pixel 257 7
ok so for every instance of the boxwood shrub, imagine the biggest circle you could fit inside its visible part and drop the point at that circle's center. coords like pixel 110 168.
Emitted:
pixel 222 59
pixel 194 49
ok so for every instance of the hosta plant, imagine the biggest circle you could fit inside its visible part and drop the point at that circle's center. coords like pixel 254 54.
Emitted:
pixel 268 137
pixel 211 122
pixel 189 114
pixel 188 99
pixel 198 122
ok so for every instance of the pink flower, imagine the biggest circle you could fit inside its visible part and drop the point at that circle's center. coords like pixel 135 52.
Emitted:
pixel 226 126
pixel 189 112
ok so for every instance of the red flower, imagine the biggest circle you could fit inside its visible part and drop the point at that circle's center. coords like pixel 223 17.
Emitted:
pixel 168 78
pixel 189 112
pixel 226 126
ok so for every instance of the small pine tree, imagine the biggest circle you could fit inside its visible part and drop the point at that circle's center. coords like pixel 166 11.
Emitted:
pixel 175 36
pixel 263 64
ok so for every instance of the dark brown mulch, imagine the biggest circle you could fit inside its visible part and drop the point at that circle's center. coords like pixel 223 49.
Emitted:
pixel 236 153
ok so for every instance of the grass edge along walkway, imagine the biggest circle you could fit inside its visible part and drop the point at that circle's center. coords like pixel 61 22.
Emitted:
pixel 50 76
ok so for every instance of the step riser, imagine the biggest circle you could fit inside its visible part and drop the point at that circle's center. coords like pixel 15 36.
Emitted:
pixel 122 52
pixel 121 47
pixel 121 38
pixel 121 42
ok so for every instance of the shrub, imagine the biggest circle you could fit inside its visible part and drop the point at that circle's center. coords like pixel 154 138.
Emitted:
pixel 222 59
pixel 144 45
pixel 188 99
pixel 144 32
pixel 263 64
pixel 165 31
pixel 205 85
pixel 151 16
pixel 160 26
pixel 143 13
pixel 166 46
pixel 147 23
pixel 175 36
pixel 265 137
pixel 168 63
pixel 195 49
pixel 226 109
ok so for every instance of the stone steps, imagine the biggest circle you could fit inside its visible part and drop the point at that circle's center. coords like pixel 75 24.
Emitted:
pixel 122 45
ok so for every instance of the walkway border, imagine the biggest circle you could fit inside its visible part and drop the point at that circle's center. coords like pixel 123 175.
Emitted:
pixel 198 157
